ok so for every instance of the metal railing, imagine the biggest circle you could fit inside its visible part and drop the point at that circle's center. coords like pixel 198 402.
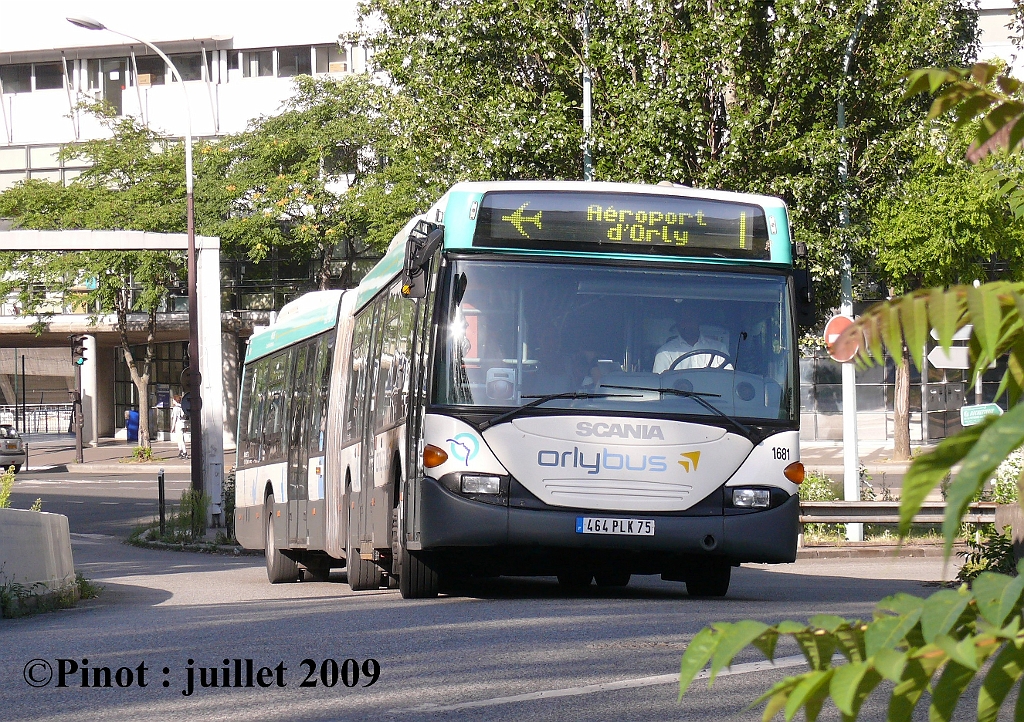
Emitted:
pixel 887 512
pixel 38 418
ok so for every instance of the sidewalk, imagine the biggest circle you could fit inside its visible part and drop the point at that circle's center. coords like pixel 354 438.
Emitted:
pixel 57 452
pixel 875 456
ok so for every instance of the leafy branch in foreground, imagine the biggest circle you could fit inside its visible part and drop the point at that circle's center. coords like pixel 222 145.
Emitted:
pixel 996 313
pixel 938 645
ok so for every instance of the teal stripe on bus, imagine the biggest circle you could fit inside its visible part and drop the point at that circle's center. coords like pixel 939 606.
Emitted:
pixel 292 330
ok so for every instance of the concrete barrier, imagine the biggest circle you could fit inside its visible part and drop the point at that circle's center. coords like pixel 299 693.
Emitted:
pixel 35 558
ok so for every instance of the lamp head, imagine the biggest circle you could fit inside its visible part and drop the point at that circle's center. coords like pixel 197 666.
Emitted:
pixel 86 22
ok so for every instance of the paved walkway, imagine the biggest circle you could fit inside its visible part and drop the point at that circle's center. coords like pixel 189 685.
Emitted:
pixel 51 451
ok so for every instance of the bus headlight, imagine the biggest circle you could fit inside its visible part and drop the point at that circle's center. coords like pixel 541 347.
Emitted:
pixel 481 484
pixel 752 498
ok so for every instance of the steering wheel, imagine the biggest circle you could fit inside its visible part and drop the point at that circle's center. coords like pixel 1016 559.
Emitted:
pixel 702 351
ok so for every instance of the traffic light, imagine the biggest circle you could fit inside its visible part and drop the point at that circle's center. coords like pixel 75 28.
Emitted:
pixel 78 350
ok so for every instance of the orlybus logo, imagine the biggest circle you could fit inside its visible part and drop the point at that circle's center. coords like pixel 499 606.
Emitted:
pixel 687 458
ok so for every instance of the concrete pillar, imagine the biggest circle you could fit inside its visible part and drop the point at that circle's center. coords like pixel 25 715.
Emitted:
pixel 90 393
pixel 105 356
pixel 231 370
pixel 211 366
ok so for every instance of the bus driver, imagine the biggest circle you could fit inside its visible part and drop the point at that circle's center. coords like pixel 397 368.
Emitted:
pixel 690 336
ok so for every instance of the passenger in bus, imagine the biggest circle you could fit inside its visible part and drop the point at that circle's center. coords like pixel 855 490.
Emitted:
pixel 692 335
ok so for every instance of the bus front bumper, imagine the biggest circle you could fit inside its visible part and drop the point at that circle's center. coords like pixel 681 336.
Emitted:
pixel 450 521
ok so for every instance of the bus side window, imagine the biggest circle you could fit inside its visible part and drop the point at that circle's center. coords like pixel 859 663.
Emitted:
pixel 256 388
pixel 273 416
pixel 403 360
pixel 383 415
pixel 357 371
pixel 319 393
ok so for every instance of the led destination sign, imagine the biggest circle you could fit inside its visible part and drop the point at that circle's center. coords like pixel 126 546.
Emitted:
pixel 622 223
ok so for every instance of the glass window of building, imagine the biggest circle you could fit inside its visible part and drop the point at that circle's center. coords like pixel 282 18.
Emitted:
pixel 258 64
pixel 331 59
pixel 16 78
pixel 190 65
pixel 233 59
pixel 49 76
pixel 294 61
pixel 152 70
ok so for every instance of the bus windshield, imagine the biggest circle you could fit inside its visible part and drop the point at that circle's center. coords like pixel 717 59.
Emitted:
pixel 617 339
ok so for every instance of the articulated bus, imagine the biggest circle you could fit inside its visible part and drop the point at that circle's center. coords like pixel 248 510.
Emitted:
pixel 583 380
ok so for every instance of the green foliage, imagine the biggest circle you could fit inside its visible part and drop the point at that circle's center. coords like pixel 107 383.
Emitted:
pixel 819 487
pixel 939 644
pixel 740 96
pixel 1004 481
pixel 142 453
pixel 189 522
pixel 228 506
pixel 992 553
pixel 320 180
pixel 86 588
pixel 6 485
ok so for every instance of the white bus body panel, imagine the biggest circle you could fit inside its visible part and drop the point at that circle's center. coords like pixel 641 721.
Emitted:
pixel 463 444
pixel 615 463
pixel 250 484
pixel 768 461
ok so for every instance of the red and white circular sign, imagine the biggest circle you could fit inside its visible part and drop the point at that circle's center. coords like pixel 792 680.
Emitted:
pixel 840 351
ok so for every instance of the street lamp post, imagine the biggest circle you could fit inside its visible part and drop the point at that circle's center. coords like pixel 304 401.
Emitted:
pixel 851 457
pixel 195 390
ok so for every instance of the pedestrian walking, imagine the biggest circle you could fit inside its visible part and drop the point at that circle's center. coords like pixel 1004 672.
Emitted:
pixel 178 426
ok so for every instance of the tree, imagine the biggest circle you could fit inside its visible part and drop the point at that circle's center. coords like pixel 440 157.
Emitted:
pixel 133 182
pixel 738 95
pixel 307 180
pixel 939 224
pixel 942 643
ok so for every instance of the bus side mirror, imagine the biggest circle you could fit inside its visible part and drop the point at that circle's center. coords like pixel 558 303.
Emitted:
pixel 805 308
pixel 419 249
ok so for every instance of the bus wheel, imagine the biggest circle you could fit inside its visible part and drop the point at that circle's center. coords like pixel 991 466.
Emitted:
pixel 362 574
pixel 712 580
pixel 279 567
pixel 418 579
pixel 612 579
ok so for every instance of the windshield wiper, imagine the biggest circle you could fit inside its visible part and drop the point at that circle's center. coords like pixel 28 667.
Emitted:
pixel 537 400
pixel 696 396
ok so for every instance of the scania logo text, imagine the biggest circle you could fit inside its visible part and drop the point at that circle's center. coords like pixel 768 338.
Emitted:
pixel 622 431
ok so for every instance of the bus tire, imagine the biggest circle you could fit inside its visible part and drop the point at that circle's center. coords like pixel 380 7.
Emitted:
pixel 362 574
pixel 279 567
pixel 419 580
pixel 712 580
pixel 612 579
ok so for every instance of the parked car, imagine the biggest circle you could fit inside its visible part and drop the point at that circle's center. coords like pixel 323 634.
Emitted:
pixel 12 448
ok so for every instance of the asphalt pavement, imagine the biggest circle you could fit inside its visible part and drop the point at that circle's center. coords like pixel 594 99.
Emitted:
pixel 498 649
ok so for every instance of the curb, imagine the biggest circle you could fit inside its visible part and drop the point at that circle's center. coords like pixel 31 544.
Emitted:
pixel 872 552
pixel 225 549
pixel 147 468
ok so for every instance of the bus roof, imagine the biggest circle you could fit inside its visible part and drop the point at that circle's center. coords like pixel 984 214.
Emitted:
pixel 305 317
pixel 456 210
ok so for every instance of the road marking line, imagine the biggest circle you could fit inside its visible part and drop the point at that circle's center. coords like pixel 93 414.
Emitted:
pixel 780 663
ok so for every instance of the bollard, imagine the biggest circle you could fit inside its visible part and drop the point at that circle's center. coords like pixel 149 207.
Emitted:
pixel 163 515
pixel 26 456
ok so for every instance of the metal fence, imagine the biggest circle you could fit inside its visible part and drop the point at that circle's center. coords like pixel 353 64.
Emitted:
pixel 38 418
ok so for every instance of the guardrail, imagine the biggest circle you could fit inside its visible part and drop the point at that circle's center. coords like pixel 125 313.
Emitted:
pixel 887 512
pixel 38 418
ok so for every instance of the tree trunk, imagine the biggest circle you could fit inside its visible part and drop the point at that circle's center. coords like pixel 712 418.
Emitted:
pixel 901 409
pixel 139 378
pixel 327 249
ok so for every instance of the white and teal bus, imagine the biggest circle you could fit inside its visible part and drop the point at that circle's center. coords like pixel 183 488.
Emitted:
pixel 582 380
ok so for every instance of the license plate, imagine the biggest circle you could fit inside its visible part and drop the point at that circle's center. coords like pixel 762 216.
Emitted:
pixel 627 527
pixel 12 446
